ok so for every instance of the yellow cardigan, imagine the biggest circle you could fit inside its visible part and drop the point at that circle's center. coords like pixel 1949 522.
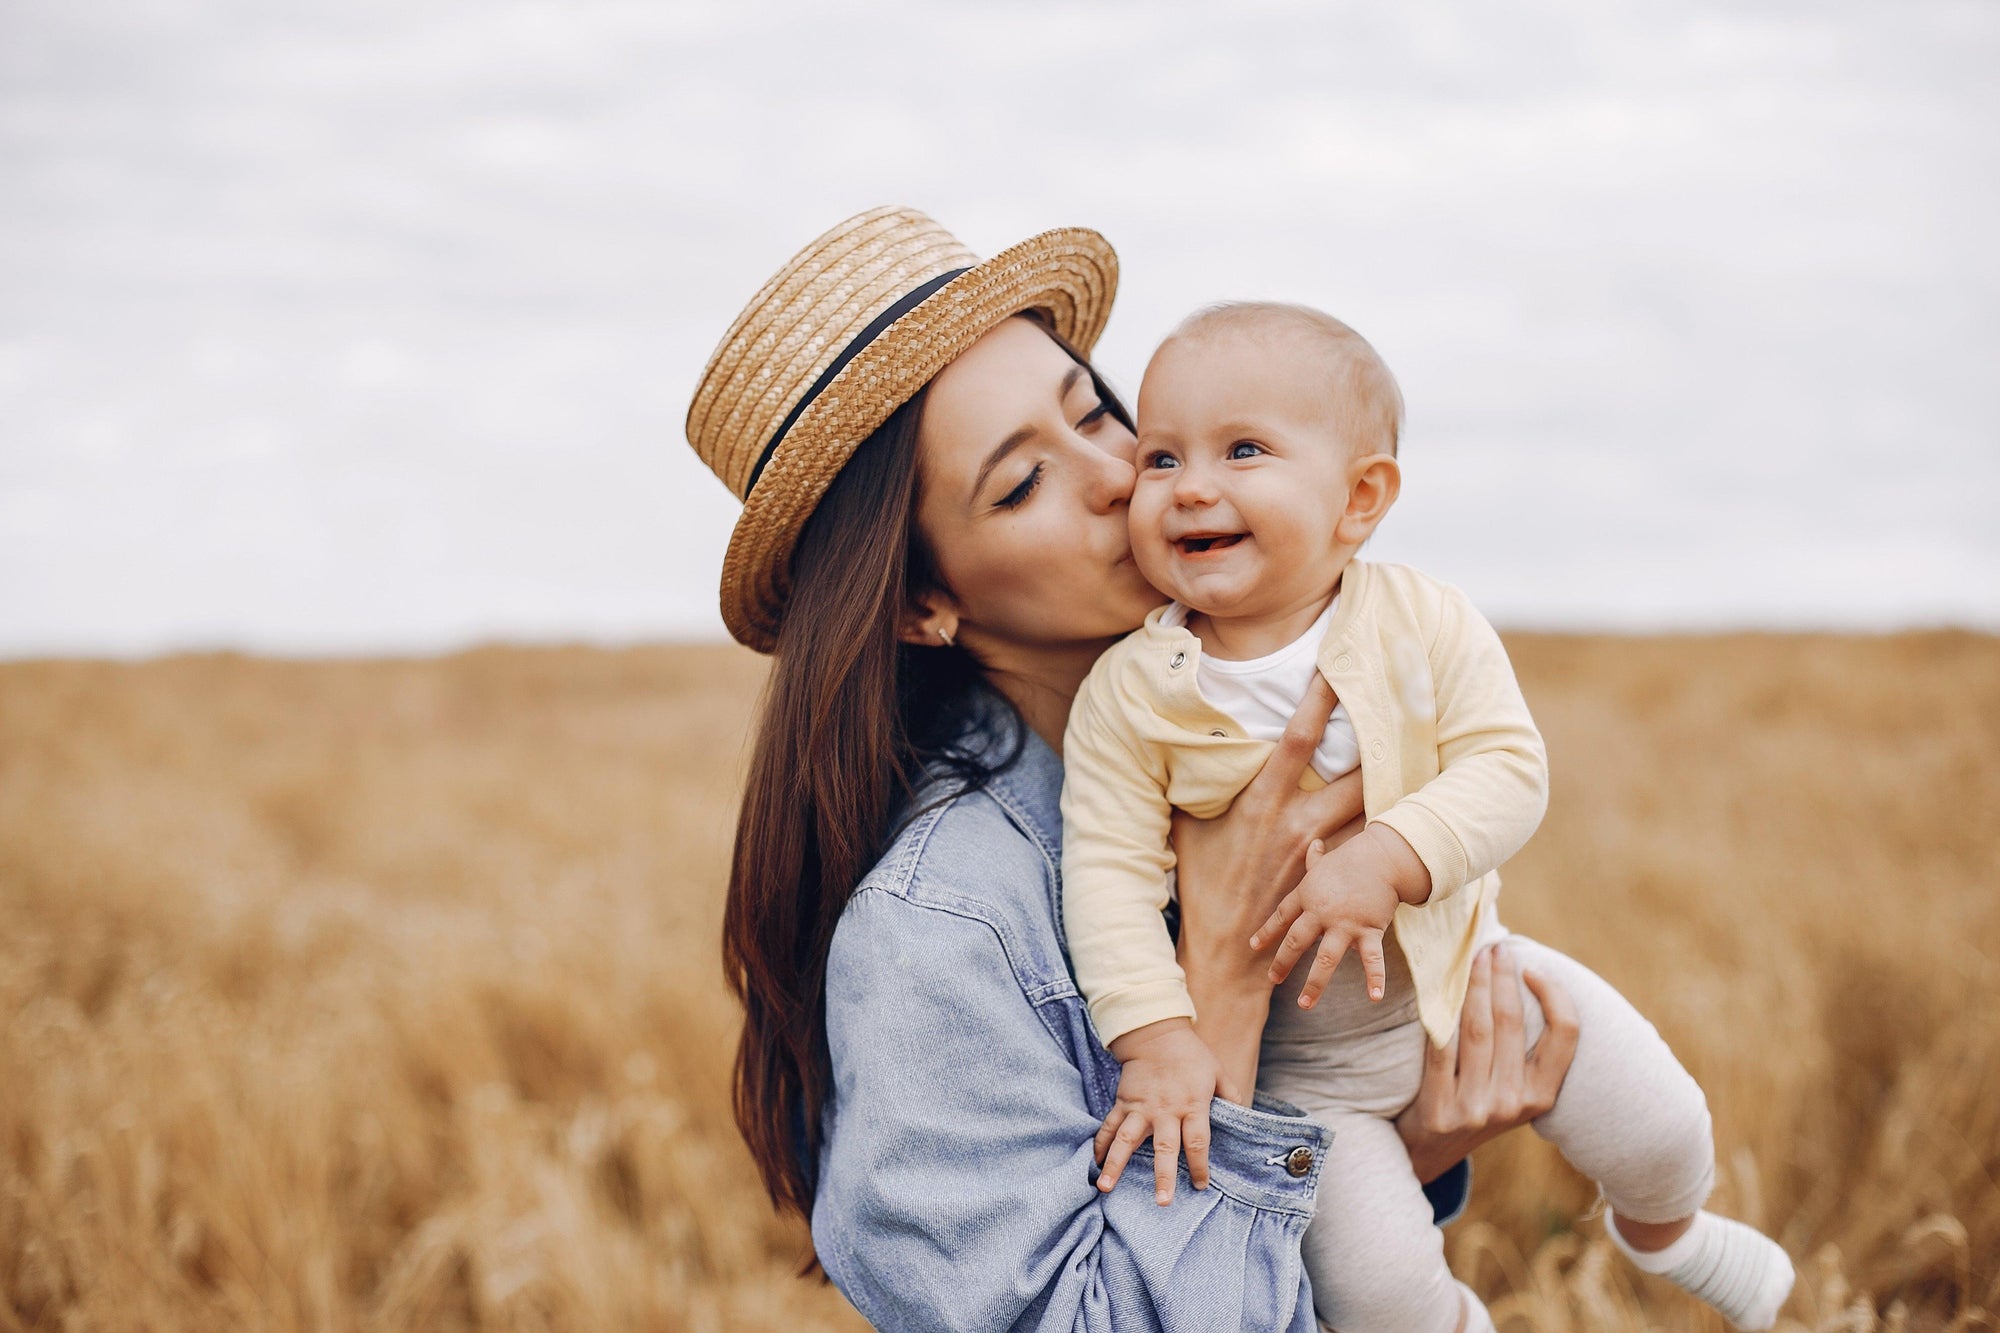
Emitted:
pixel 1450 760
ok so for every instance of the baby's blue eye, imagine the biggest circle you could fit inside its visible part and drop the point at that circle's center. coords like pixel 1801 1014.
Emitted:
pixel 1162 461
pixel 1245 449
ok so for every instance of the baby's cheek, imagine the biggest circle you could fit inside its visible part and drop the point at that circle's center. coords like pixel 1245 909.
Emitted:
pixel 1150 550
pixel 1146 514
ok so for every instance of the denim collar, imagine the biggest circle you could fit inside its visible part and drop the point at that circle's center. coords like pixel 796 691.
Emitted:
pixel 1030 788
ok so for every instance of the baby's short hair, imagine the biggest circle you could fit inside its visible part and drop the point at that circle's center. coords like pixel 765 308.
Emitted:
pixel 1365 398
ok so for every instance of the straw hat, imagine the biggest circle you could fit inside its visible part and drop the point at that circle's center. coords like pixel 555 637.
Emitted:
pixel 846 333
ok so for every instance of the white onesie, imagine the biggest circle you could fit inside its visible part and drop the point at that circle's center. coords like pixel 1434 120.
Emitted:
pixel 1261 693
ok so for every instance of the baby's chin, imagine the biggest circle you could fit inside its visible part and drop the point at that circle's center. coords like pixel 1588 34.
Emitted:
pixel 1203 597
pixel 1208 593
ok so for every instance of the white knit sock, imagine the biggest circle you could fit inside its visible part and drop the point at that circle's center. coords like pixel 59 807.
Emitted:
pixel 1739 1270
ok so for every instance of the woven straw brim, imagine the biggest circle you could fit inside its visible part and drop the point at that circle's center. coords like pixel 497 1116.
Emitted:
pixel 1070 273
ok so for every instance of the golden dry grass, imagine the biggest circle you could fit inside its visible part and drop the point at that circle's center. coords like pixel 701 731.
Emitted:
pixel 385 995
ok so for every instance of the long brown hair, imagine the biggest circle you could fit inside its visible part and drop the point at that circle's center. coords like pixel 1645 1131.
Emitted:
pixel 854 721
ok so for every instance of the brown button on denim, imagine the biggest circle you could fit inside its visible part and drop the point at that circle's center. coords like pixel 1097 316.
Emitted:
pixel 1299 1160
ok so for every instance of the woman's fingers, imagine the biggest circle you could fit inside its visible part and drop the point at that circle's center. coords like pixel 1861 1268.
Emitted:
pixel 1166 1159
pixel 1373 965
pixel 1475 1027
pixel 1287 763
pixel 1334 811
pixel 1549 1065
pixel 1131 1133
pixel 1510 1048
pixel 1194 1138
pixel 1440 1069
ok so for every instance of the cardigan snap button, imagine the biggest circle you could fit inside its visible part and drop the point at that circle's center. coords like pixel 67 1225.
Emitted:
pixel 1299 1161
pixel 1377 749
pixel 1342 662
pixel 1177 661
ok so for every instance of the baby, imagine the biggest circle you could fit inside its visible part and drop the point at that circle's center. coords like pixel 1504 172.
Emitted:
pixel 1266 458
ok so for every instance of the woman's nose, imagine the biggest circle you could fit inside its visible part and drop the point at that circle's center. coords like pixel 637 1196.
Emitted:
pixel 1111 479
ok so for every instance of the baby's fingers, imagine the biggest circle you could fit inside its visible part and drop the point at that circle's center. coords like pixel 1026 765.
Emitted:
pixel 1288 910
pixel 1106 1130
pixel 1131 1133
pixel 1280 920
pixel 1194 1138
pixel 1166 1158
pixel 1331 950
pixel 1373 965
pixel 1293 947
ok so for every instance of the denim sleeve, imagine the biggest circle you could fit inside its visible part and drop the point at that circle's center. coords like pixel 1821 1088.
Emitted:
pixel 956 1185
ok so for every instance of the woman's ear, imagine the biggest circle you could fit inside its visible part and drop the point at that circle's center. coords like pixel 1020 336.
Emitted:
pixel 1373 483
pixel 930 622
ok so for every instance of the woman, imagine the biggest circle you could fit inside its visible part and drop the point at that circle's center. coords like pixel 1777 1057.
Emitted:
pixel 933 549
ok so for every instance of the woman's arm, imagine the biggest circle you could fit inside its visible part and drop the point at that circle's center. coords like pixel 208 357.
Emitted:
pixel 1234 868
pixel 956 1190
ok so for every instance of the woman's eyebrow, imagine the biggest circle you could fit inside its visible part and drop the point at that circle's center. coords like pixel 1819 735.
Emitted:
pixel 1018 438
pixel 998 456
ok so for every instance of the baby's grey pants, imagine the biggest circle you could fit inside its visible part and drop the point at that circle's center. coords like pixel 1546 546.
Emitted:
pixel 1629 1117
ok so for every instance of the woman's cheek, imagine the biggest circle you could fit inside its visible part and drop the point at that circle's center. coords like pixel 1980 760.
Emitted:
pixel 1035 565
pixel 1053 570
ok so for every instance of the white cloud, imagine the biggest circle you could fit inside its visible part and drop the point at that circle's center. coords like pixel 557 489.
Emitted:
pixel 357 326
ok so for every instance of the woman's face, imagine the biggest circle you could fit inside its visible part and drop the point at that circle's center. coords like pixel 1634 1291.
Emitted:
pixel 1026 475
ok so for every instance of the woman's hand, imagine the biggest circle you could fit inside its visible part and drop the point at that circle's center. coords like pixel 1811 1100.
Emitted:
pixel 1485 1083
pixel 1233 871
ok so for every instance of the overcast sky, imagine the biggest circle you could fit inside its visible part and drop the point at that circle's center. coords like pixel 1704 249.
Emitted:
pixel 345 326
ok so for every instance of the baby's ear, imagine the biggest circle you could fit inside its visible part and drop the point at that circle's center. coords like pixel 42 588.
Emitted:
pixel 1373 483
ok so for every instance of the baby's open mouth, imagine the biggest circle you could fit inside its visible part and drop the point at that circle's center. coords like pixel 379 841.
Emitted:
pixel 1208 542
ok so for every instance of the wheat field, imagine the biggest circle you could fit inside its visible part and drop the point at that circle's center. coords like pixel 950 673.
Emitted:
pixel 385 994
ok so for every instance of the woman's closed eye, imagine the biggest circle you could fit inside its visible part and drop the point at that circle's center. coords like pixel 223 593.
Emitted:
pixel 1094 415
pixel 1015 498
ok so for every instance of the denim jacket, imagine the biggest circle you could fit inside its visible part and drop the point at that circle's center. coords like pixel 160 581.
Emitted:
pixel 955 1183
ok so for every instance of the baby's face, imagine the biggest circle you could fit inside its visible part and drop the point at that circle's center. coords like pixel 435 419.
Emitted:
pixel 1242 477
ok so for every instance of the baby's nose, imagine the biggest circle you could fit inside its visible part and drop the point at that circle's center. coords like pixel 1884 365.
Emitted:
pixel 1193 486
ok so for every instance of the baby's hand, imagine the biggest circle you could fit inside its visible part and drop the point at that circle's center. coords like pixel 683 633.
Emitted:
pixel 1345 901
pixel 1169 1076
